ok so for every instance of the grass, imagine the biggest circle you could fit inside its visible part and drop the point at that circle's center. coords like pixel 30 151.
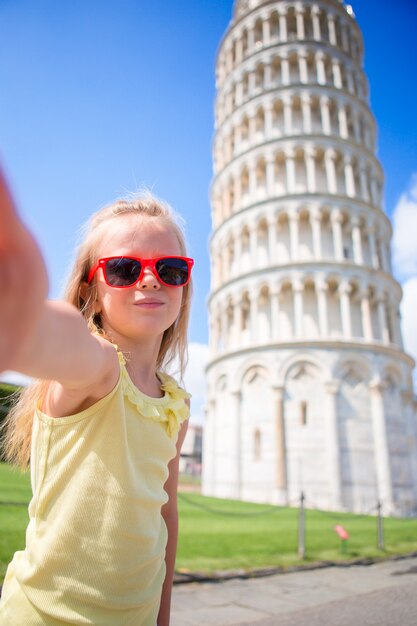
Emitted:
pixel 225 534
pixel 14 487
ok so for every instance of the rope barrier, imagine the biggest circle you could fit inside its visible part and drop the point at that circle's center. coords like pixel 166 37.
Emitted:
pixel 208 509
pixel 338 514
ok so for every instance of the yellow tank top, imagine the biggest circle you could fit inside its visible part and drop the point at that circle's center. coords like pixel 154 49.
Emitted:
pixel 95 544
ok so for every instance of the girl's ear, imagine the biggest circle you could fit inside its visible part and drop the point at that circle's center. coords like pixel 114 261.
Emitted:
pixel 86 293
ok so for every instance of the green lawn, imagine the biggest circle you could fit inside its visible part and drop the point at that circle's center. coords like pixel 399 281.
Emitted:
pixel 244 535
pixel 14 487
pixel 224 534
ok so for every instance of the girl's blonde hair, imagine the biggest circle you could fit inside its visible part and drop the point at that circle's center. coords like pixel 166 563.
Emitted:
pixel 16 441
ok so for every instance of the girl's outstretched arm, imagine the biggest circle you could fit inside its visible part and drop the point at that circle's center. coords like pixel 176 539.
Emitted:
pixel 48 340
pixel 23 281
pixel 170 515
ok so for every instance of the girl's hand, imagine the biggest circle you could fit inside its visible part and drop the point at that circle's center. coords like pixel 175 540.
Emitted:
pixel 23 281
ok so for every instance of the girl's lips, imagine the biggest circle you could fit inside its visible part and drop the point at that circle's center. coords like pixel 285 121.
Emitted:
pixel 149 304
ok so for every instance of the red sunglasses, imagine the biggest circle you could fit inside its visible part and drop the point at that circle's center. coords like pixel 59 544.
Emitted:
pixel 125 271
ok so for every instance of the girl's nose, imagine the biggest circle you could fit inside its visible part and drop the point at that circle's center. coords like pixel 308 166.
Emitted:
pixel 149 280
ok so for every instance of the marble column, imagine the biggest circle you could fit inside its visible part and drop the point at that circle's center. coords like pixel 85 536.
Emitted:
pixel 315 218
pixel 210 435
pixel 272 239
pixel 237 323
pixel 290 170
pixel 282 24
pixel 332 29
pixel 349 177
pixel 251 38
pixel 382 319
pixel 343 126
pixel 298 290
pixel 333 445
pixel 325 115
pixel 237 439
pixel 329 162
pixel 310 160
pixel 381 449
pixel 254 317
pixel 293 219
pixel 238 190
pixel 343 29
pixel 252 178
pixel 223 328
pixel 270 175
pixel 268 119
pixel 238 250
pixel 366 315
pixel 253 245
pixel 287 102
pixel 357 240
pixel 239 50
pixel 344 293
pixel 266 33
pixel 363 180
pixel 281 465
pixel 315 15
pixel 302 67
pixel 306 110
pixel 322 288
pixel 285 70
pixel 299 16
pixel 397 327
pixel 372 246
pixel 321 70
pixel 275 313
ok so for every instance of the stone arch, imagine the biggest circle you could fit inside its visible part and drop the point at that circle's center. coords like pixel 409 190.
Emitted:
pixel 260 178
pixel 260 121
pixel 305 429
pixel 244 180
pixel 262 255
pixel 276 75
pixel 264 315
pixel 257 416
pixel 257 33
pixel 245 318
pixel 391 375
pixel 274 26
pixel 259 76
pixel 397 431
pixel 355 432
pixel 221 382
pixel 278 117
pixel 302 357
pixel 291 24
pixel 244 129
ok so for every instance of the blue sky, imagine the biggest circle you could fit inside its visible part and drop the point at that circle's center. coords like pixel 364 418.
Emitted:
pixel 101 97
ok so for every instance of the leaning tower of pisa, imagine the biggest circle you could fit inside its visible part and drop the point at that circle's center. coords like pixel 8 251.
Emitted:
pixel 309 388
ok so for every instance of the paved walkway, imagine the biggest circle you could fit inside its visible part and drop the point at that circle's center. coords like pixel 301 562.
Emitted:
pixel 383 594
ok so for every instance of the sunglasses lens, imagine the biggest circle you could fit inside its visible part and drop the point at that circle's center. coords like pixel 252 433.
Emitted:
pixel 122 272
pixel 172 271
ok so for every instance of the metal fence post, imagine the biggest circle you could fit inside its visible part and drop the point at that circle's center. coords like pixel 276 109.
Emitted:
pixel 301 528
pixel 380 521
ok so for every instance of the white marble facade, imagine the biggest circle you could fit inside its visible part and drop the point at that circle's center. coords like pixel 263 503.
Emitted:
pixel 309 386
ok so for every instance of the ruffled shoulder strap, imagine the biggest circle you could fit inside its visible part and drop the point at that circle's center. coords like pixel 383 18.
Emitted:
pixel 171 410
pixel 177 410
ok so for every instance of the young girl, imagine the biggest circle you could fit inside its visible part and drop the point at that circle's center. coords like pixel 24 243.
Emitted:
pixel 103 426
